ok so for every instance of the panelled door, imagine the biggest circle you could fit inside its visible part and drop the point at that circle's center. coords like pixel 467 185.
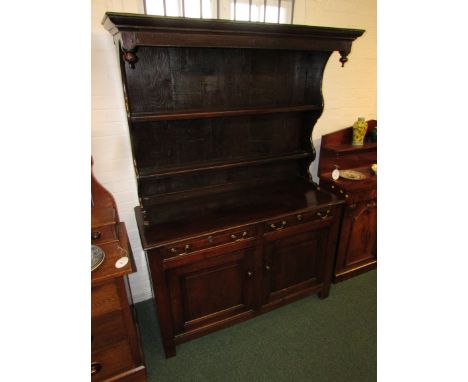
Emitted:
pixel 210 289
pixel 293 262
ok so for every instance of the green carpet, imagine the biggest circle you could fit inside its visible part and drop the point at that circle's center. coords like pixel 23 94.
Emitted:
pixel 334 340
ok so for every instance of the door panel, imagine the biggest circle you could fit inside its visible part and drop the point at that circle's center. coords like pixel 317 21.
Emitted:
pixel 362 233
pixel 211 289
pixel 293 263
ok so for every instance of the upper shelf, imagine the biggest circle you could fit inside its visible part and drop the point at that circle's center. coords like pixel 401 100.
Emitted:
pixel 346 148
pixel 196 114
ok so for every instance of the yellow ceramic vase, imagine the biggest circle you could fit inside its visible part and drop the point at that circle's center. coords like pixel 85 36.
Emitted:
pixel 359 131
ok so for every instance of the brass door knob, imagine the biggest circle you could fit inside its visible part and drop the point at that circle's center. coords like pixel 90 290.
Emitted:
pixel 95 367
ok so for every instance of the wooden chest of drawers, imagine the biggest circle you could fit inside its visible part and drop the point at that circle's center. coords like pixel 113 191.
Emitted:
pixel 116 353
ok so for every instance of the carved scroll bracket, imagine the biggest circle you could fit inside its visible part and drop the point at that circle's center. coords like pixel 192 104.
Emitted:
pixel 128 44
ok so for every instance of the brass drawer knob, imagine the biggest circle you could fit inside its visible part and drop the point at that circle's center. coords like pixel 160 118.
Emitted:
pixel 267 267
pixel 95 367
pixel 173 250
pixel 249 274
pixel 95 235
pixel 244 234
pixel 187 247
pixel 210 239
pixel 299 217
pixel 233 236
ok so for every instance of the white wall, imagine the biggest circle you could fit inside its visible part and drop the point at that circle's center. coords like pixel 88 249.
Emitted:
pixel 110 145
pixel 349 92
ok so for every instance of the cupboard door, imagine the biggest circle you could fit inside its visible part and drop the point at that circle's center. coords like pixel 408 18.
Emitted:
pixel 211 289
pixel 360 227
pixel 293 263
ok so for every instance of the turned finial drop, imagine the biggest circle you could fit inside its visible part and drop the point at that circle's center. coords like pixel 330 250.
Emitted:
pixel 131 58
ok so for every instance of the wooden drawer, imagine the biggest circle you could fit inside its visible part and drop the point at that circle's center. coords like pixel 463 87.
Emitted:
pixel 112 360
pixel 103 234
pixel 322 214
pixel 104 299
pixel 107 330
pixel 208 241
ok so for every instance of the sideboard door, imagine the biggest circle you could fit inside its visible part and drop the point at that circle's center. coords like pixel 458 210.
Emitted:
pixel 358 241
pixel 210 290
pixel 293 263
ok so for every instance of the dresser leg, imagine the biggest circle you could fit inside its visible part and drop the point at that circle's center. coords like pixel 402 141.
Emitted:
pixel 169 349
pixel 324 293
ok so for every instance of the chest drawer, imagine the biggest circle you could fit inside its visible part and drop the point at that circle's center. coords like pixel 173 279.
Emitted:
pixel 208 241
pixel 112 360
pixel 323 214
pixel 103 234
pixel 105 299
pixel 107 330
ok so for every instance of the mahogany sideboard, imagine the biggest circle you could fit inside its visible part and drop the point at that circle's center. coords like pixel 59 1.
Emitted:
pixel 116 353
pixel 220 115
pixel 357 248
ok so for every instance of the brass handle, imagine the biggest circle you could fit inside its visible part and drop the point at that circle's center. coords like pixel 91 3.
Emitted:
pixel 95 367
pixel 267 267
pixel 249 274
pixel 299 217
pixel 283 224
pixel 187 247
pixel 323 215
pixel 173 250
pixel 95 235
pixel 210 239
pixel 234 236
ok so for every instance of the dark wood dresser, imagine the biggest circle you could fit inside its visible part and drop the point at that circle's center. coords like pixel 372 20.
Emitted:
pixel 116 353
pixel 357 248
pixel 220 116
